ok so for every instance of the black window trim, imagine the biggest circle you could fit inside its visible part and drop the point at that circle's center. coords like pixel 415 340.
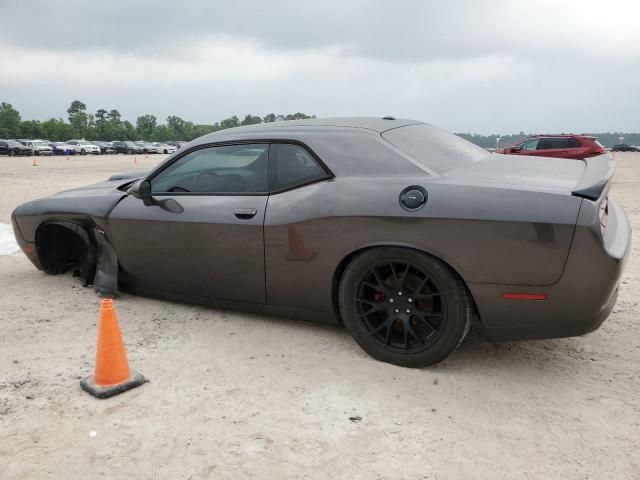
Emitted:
pixel 180 154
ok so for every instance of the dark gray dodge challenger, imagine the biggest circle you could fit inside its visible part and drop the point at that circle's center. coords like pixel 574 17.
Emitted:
pixel 399 230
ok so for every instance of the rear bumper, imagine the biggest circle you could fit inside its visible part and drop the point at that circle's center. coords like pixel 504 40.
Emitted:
pixel 583 297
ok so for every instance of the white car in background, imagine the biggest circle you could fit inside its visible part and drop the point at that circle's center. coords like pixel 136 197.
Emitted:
pixel 83 147
pixel 163 148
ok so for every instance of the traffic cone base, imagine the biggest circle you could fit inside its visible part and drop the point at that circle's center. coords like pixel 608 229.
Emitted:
pixel 88 385
pixel 112 374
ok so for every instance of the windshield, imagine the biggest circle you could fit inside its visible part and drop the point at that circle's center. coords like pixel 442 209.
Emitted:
pixel 433 147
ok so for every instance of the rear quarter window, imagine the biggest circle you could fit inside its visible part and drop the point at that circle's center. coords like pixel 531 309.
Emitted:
pixel 433 147
pixel 554 143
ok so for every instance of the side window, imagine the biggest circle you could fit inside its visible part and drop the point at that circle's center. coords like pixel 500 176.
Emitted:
pixel 293 165
pixel 553 143
pixel 530 144
pixel 573 143
pixel 225 169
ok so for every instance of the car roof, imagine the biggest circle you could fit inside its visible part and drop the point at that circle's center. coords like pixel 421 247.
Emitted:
pixel 561 135
pixel 375 124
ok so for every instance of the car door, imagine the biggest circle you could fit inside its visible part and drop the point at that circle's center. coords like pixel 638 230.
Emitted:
pixel 4 148
pixel 201 232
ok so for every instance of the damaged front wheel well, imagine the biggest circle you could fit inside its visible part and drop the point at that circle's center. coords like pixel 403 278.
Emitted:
pixel 65 245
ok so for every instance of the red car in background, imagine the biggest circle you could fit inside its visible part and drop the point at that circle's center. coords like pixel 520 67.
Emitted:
pixel 559 146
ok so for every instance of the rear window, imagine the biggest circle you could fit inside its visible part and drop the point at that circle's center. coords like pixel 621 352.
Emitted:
pixel 434 147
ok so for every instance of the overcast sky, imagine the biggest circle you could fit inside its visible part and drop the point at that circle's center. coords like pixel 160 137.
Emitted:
pixel 466 65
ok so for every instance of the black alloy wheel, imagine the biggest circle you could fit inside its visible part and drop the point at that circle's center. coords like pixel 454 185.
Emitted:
pixel 404 307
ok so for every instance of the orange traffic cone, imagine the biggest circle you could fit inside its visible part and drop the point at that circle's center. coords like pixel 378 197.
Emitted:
pixel 34 163
pixel 112 374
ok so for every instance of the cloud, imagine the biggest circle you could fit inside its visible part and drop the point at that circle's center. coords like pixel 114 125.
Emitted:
pixel 467 65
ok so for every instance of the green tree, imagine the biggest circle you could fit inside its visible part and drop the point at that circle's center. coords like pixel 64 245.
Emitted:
pixel 78 117
pixel 230 122
pixel 268 118
pixel 9 121
pixel 297 116
pixel 146 125
pixel 251 120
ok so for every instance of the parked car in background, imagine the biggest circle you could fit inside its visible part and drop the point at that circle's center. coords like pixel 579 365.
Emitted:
pixel 61 148
pixel 13 148
pixel 623 147
pixel 559 146
pixel 177 143
pixel 105 147
pixel 161 148
pixel 127 147
pixel 83 147
pixel 39 147
pixel 146 146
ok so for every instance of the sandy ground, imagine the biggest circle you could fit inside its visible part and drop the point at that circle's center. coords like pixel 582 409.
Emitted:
pixel 240 396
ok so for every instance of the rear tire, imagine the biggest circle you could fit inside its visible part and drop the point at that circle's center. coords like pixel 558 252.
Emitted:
pixel 404 307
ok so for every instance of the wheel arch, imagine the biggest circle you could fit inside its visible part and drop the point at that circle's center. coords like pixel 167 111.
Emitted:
pixel 58 241
pixel 350 256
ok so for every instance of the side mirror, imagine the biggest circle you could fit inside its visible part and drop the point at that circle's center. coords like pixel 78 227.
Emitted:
pixel 141 189
pixel 515 150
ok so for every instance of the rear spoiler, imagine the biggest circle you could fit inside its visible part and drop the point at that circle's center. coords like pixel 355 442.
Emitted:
pixel 596 177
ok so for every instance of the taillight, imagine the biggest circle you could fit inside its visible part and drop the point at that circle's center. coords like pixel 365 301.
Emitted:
pixel 524 296
pixel 604 215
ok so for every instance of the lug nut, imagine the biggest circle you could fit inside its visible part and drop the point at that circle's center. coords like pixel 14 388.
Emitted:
pixel 397 311
pixel 408 311
pixel 409 300
pixel 399 294
pixel 391 300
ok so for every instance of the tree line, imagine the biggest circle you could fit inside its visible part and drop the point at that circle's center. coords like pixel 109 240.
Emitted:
pixel 108 125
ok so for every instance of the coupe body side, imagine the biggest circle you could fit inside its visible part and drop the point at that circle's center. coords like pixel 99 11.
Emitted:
pixel 397 229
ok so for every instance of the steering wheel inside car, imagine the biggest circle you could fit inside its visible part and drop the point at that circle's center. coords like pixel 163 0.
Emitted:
pixel 206 182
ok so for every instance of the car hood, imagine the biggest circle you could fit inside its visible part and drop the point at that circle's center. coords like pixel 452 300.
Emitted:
pixel 520 172
pixel 96 189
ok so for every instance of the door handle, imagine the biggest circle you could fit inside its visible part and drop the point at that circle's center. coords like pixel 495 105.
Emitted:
pixel 245 213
